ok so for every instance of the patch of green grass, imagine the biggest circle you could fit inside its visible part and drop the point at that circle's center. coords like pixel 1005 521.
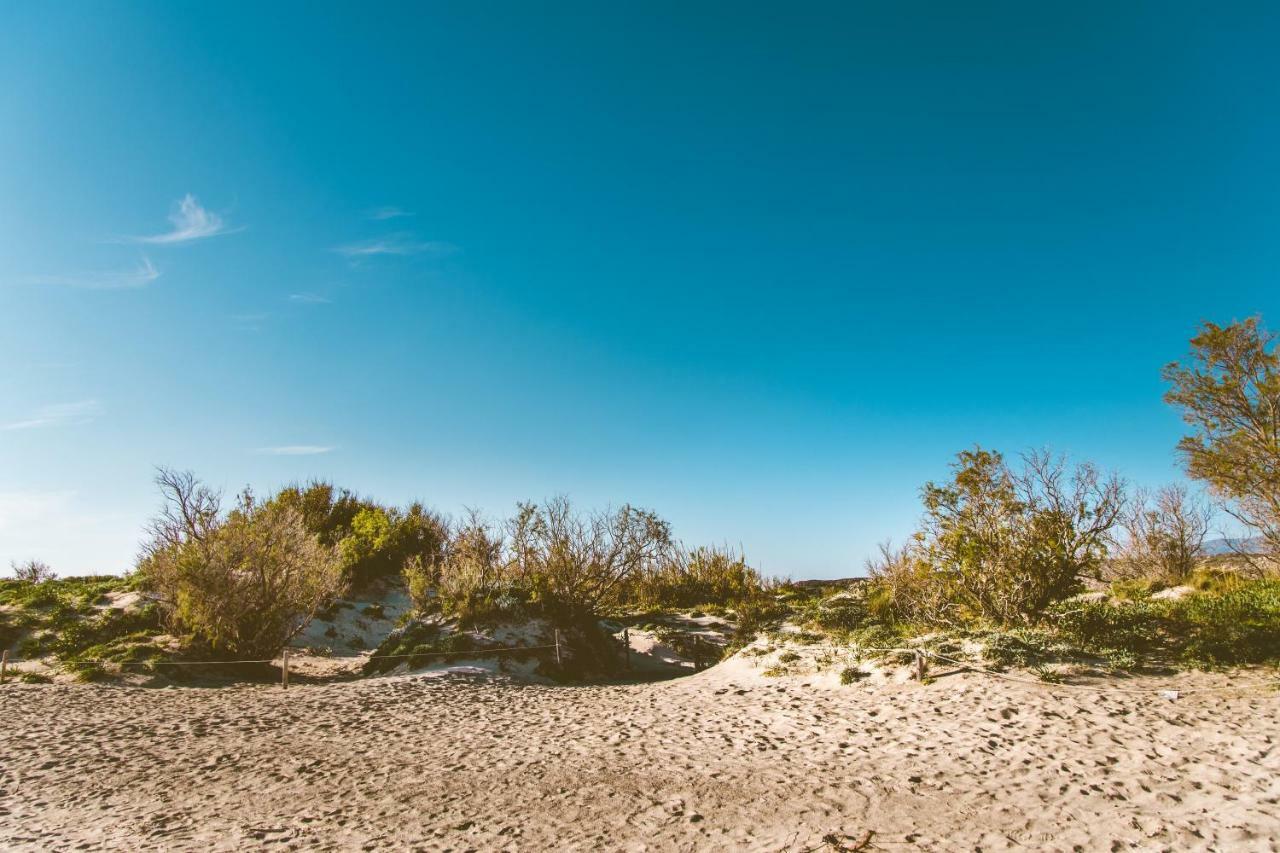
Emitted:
pixel 29 677
pixel 1121 659
pixel 851 675
pixel 1047 675
pixel 1236 622
pixel 64 618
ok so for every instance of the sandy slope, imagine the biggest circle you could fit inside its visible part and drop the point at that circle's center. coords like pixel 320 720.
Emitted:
pixel 724 759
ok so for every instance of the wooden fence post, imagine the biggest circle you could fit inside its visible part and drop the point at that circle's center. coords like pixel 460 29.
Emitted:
pixel 558 661
pixel 284 669
pixel 626 645
pixel 4 665
pixel 697 653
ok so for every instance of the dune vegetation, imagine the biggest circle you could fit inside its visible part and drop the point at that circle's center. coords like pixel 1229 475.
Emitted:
pixel 1033 562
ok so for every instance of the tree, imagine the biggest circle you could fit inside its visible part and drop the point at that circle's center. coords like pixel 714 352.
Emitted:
pixel 1228 389
pixel 32 571
pixel 704 575
pixel 584 562
pixel 1164 533
pixel 476 569
pixel 242 584
pixel 1003 544
pixel 374 541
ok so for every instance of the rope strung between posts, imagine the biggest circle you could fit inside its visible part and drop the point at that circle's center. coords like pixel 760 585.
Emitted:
pixel 1096 688
pixel 1100 688
pixel 474 653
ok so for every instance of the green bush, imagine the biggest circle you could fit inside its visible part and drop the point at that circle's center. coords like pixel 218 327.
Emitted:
pixel 844 612
pixel 238 585
pixel 851 675
pixel 374 541
pixel 704 578
pixel 1238 625
pixel 999 544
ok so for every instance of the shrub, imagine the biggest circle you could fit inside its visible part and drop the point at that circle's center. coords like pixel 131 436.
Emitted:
pixel 374 541
pixel 755 617
pixel 1003 649
pixel 419 583
pixel 715 577
pixel 1238 625
pixel 1000 544
pixel 241 585
pixel 474 573
pixel 1163 536
pixel 843 612
pixel 584 563
pixel 32 571
pixel 851 675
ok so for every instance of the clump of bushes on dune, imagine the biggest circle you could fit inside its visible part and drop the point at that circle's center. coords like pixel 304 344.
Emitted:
pixel 373 541
pixel 704 576
pixel 238 584
pixel 558 561
pixel 1004 550
pixel 1000 544
pixel 71 620
pixel 1235 625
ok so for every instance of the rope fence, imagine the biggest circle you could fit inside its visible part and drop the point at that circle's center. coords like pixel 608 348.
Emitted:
pixel 6 661
pixel 920 657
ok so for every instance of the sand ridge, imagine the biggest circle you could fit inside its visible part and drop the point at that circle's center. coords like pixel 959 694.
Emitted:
pixel 721 760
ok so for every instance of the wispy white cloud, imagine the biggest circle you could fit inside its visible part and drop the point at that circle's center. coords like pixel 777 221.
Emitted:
pixel 56 415
pixel 139 276
pixel 297 450
pixel 190 222
pixel 394 244
pixel 383 213
pixel 251 322
pixel 309 299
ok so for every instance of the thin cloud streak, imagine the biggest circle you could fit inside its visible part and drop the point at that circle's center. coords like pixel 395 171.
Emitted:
pixel 309 299
pixel 296 450
pixel 384 213
pixel 251 322
pixel 394 244
pixel 190 222
pixel 140 276
pixel 56 415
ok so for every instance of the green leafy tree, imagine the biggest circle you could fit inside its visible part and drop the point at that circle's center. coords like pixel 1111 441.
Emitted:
pixel 240 584
pixel 374 541
pixel 1001 544
pixel 584 562
pixel 1228 389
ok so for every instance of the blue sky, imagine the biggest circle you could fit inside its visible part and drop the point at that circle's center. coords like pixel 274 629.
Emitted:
pixel 764 271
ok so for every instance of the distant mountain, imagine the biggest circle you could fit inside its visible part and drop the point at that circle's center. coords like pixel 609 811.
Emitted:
pixel 817 582
pixel 1219 547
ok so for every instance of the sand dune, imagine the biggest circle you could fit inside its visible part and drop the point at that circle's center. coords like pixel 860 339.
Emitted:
pixel 721 760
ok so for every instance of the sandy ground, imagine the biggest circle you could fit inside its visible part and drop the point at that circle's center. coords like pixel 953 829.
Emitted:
pixel 724 759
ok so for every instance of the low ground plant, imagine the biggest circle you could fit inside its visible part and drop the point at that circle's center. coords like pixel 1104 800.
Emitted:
pixel 1240 624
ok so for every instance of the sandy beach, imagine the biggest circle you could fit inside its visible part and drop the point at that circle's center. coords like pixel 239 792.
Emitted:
pixel 722 760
